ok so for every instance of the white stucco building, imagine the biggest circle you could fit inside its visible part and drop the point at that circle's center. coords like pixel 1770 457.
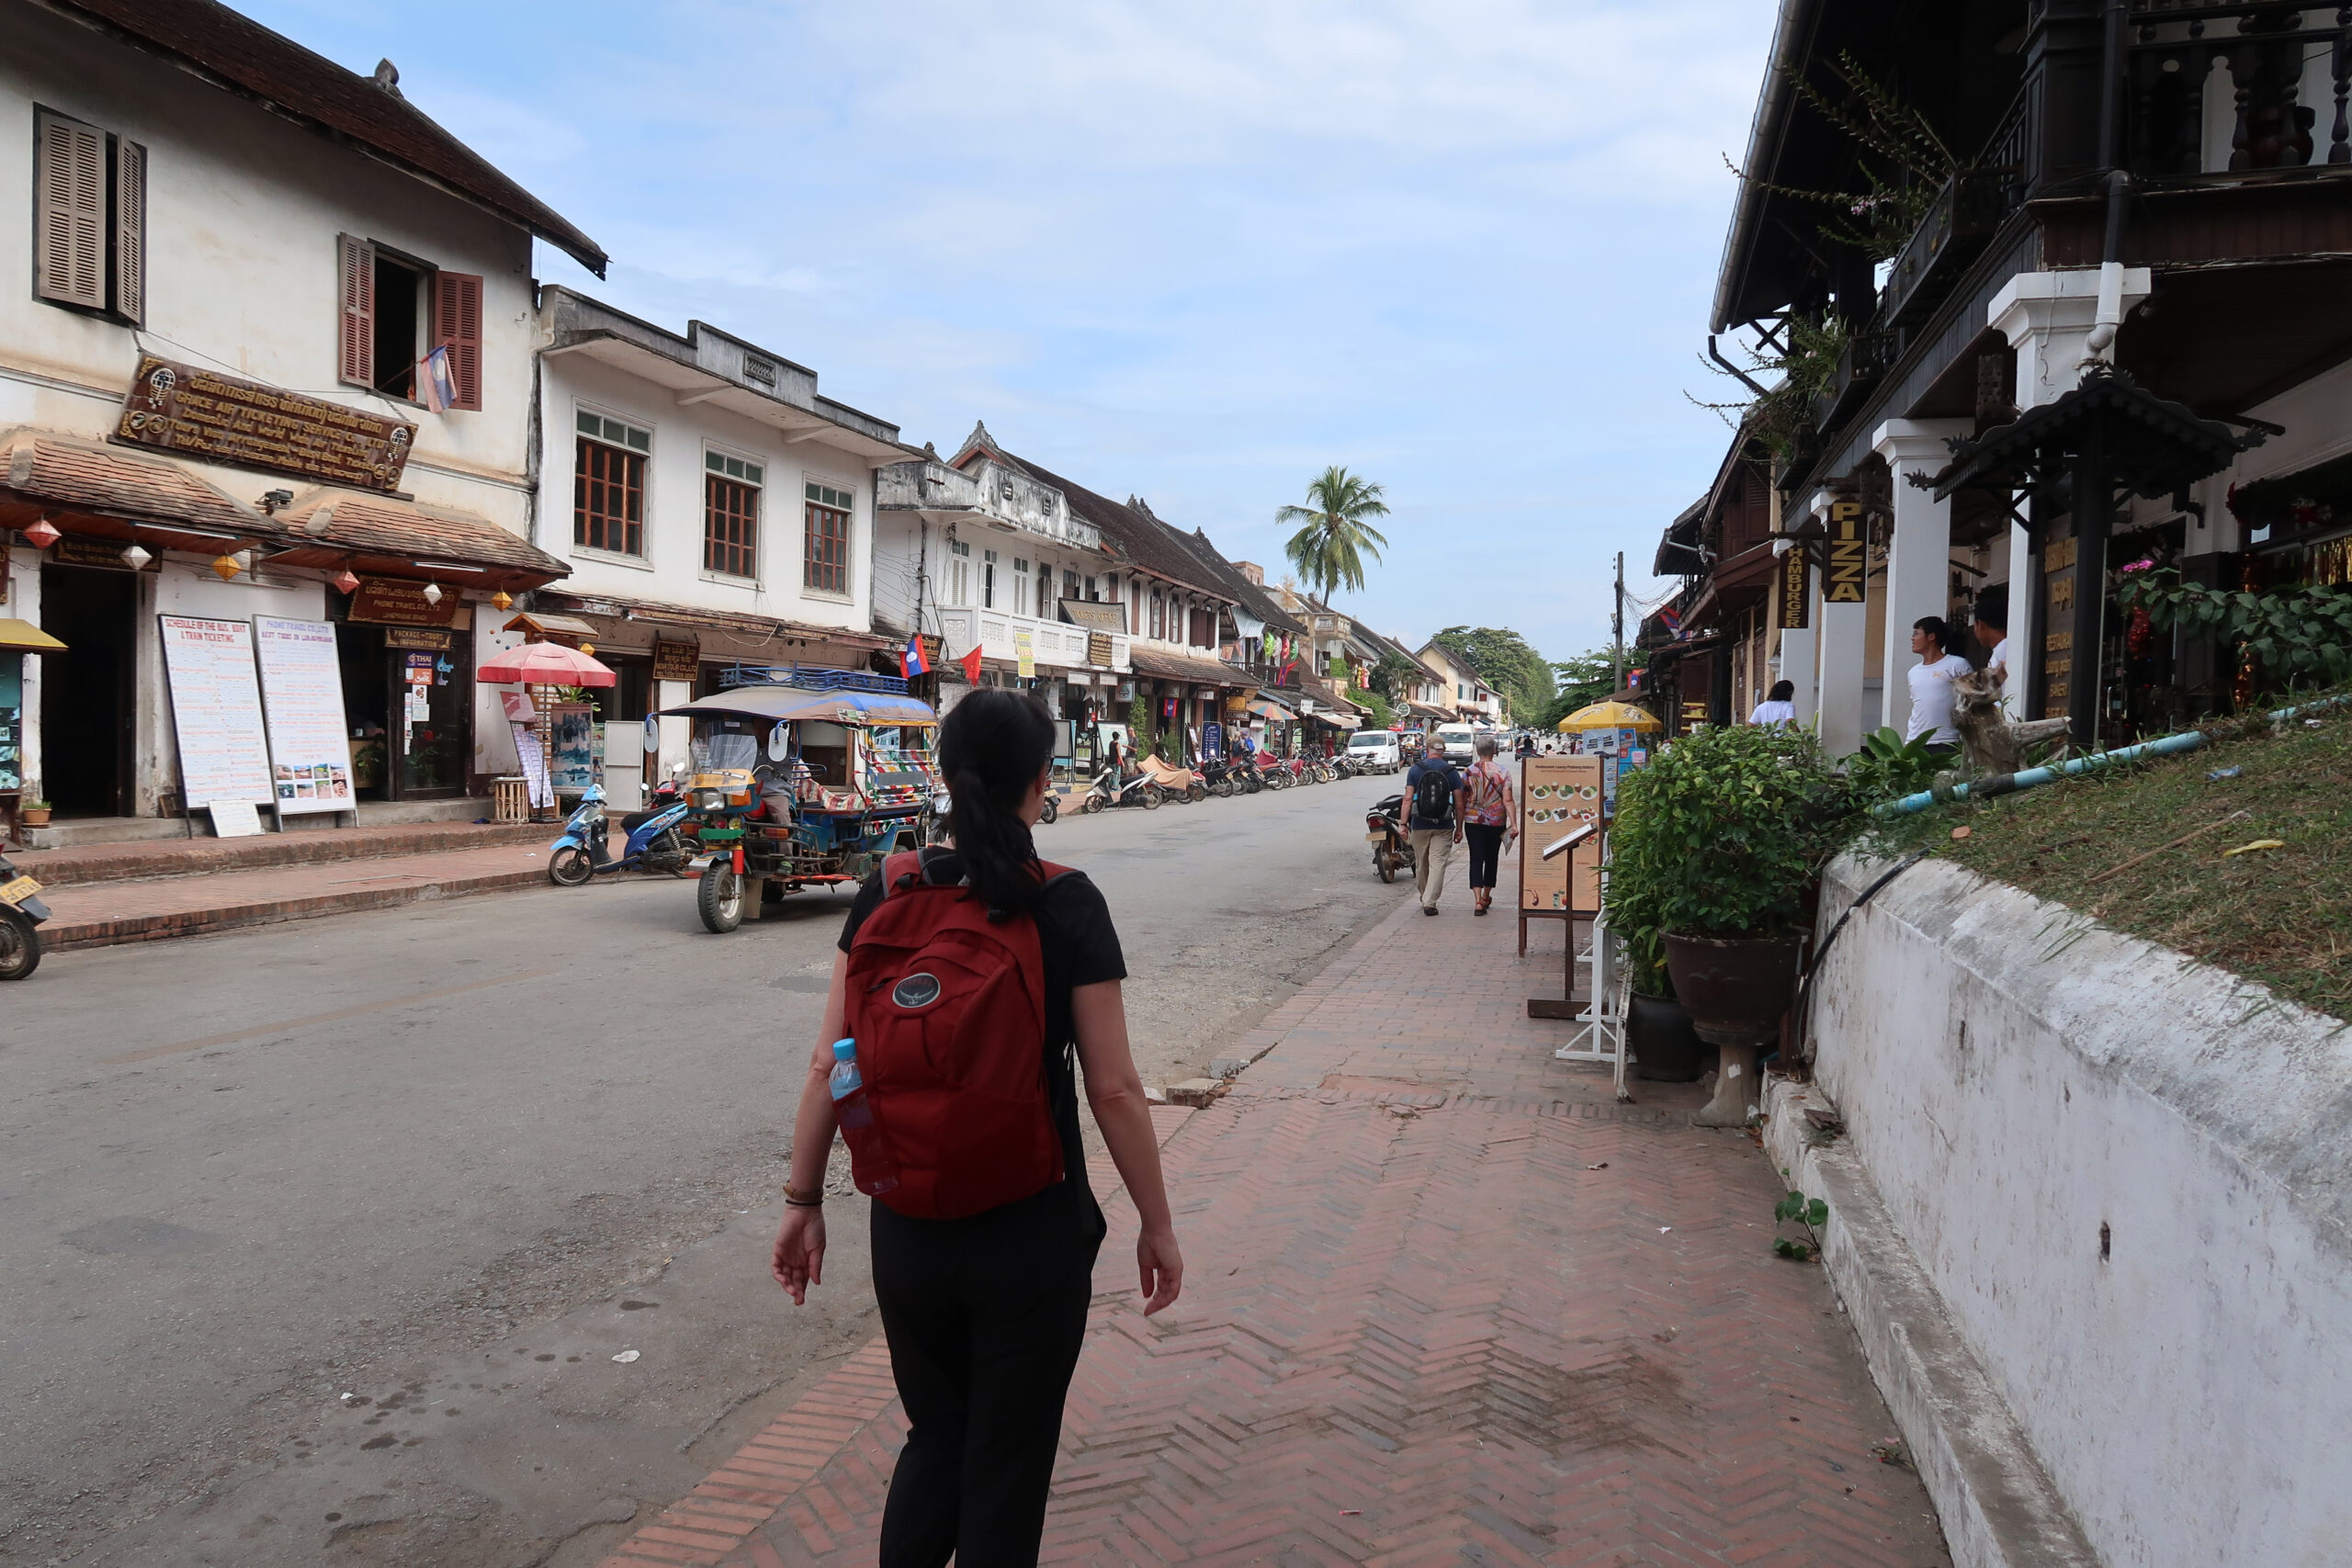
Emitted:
pixel 233 260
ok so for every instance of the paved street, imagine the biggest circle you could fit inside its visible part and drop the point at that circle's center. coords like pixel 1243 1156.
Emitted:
pixel 318 1241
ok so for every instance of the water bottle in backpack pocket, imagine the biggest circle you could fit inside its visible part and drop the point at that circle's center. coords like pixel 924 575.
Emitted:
pixel 870 1163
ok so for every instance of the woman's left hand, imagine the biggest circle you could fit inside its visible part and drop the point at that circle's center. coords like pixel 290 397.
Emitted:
pixel 1161 1268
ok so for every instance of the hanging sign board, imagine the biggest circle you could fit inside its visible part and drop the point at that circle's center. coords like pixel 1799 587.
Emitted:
pixel 1025 653
pixel 396 601
pixel 1850 555
pixel 301 700
pixel 1791 585
pixel 186 408
pixel 1556 795
pixel 216 710
pixel 416 637
pixel 676 661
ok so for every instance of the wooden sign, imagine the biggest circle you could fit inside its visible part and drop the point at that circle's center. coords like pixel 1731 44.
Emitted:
pixel 104 554
pixel 396 601
pixel 173 407
pixel 2058 610
pixel 1097 649
pixel 1557 794
pixel 416 638
pixel 676 661
pixel 1794 585
pixel 1848 569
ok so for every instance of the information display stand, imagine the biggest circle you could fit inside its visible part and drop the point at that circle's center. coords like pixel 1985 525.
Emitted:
pixel 1557 795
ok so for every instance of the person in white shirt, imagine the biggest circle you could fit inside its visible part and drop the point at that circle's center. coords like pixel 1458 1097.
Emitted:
pixel 1992 628
pixel 1779 708
pixel 1931 679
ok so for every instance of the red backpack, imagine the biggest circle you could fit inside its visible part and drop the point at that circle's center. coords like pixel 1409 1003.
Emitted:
pixel 948 1010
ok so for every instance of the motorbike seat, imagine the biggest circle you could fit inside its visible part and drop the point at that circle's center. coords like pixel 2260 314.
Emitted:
pixel 633 820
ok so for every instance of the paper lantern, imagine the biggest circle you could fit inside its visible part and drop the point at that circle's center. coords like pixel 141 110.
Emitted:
pixel 345 582
pixel 134 558
pixel 41 533
pixel 433 593
pixel 588 648
pixel 503 599
pixel 225 567
pixel 244 559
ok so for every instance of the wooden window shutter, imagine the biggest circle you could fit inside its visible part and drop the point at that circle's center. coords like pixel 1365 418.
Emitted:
pixel 356 264
pixel 130 231
pixel 456 325
pixel 70 202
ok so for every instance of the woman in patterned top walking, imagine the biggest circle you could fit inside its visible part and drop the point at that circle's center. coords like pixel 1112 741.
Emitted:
pixel 1487 821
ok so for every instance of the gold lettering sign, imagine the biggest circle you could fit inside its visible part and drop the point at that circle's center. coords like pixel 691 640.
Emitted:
pixel 202 413
pixel 1097 649
pixel 417 639
pixel 1796 603
pixel 676 661
pixel 1848 569
pixel 395 602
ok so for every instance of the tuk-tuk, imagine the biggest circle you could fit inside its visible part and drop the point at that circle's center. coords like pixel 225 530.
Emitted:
pixel 802 777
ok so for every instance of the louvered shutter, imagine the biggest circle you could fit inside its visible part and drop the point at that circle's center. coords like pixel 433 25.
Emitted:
pixel 130 231
pixel 357 260
pixel 71 206
pixel 456 325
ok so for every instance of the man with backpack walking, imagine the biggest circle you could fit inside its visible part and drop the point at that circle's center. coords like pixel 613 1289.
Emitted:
pixel 1434 794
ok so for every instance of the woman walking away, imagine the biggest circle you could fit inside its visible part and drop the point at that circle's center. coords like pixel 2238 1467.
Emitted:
pixel 1487 821
pixel 1778 709
pixel 966 974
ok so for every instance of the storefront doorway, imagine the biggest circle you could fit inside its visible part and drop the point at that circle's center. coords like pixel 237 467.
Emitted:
pixel 87 711
pixel 408 697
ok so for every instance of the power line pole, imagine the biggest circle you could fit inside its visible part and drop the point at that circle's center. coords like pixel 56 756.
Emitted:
pixel 1617 632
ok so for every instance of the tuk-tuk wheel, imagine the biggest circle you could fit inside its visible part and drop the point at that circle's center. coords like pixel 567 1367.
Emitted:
pixel 19 944
pixel 719 899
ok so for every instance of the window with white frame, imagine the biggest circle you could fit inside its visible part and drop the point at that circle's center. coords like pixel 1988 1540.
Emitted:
pixel 608 483
pixel 825 565
pixel 1159 616
pixel 959 573
pixel 731 515
pixel 1069 583
pixel 1020 585
pixel 987 579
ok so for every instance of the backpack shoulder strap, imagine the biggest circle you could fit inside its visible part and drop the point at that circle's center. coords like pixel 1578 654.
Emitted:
pixel 1050 874
pixel 901 870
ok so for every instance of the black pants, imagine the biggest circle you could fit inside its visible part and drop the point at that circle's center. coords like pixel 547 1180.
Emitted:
pixel 1486 852
pixel 984 1317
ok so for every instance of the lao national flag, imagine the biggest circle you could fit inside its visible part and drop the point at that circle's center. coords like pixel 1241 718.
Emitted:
pixel 971 662
pixel 436 387
pixel 1669 617
pixel 911 662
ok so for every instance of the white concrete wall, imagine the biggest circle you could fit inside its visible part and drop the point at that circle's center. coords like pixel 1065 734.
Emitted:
pixel 2012 1088
pixel 670 570
pixel 244 210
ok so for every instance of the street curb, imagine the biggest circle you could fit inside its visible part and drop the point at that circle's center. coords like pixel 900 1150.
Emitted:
pixel 235 917
pixel 1998 1506
pixel 170 860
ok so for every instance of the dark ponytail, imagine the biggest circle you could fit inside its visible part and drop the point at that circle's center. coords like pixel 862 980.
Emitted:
pixel 993 746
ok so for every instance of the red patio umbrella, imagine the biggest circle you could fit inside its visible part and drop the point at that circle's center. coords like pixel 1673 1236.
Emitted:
pixel 547 664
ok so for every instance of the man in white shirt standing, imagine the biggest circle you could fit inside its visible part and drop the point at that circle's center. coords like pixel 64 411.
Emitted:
pixel 1931 679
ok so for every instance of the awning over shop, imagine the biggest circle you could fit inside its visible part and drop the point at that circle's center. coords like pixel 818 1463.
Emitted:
pixel 381 535
pixel 23 636
pixel 107 492
pixel 691 617
pixel 540 624
pixel 1334 721
pixel 1423 710
pixel 1164 666
pixel 776 703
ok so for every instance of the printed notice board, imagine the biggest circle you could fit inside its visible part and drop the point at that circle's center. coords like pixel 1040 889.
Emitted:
pixel 1556 795
pixel 216 709
pixel 301 700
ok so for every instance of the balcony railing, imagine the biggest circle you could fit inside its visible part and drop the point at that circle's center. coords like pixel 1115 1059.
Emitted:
pixel 1052 644
pixel 2276 101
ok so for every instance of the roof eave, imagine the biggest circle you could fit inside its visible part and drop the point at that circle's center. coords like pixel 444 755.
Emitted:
pixel 1775 105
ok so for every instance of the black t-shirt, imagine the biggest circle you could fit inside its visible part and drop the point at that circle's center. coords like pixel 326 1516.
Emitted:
pixel 1080 948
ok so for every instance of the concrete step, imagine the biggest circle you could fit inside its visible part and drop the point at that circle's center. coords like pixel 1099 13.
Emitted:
pixel 77 832
pixel 116 861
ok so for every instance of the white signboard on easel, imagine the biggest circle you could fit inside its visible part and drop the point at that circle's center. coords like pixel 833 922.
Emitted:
pixel 216 711
pixel 302 698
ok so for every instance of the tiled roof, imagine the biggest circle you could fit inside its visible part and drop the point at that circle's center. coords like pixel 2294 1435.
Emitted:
pixel 1163 666
pixel 1253 598
pixel 383 526
pixel 44 468
pixel 239 53
pixel 652 612
pixel 1127 532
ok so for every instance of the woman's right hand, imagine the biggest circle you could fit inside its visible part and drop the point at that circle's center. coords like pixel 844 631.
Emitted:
pixel 1161 1268
pixel 799 1260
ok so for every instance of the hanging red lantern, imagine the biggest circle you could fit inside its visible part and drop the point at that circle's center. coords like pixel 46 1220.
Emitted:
pixel 43 534
pixel 345 582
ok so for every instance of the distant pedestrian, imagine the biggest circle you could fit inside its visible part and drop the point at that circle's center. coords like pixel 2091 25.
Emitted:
pixel 984 1242
pixel 1931 679
pixel 1778 709
pixel 1487 821
pixel 1435 792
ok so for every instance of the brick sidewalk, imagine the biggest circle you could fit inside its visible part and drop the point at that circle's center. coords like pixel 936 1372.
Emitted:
pixel 1447 1303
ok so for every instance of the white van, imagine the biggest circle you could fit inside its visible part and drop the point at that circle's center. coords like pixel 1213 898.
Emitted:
pixel 1460 741
pixel 1375 751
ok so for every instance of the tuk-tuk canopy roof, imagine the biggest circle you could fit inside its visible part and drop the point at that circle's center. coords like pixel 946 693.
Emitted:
pixel 778 703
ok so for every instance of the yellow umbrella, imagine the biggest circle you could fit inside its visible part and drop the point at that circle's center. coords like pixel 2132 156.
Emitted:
pixel 1609 716
pixel 23 636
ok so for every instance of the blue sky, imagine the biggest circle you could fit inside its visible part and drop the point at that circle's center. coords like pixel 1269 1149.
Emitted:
pixel 1191 253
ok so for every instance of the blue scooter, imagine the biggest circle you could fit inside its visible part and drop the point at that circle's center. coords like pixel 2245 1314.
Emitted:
pixel 653 843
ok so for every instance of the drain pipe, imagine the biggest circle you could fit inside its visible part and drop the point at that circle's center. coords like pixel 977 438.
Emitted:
pixel 2032 778
pixel 2100 344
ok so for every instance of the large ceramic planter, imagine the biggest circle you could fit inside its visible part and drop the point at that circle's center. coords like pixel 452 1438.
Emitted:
pixel 1666 1048
pixel 1735 990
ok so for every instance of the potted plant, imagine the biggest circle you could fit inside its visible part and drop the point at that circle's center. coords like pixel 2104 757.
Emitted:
pixel 1665 1049
pixel 1716 843
pixel 33 812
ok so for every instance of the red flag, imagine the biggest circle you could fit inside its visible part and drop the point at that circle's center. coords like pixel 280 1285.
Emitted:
pixel 971 662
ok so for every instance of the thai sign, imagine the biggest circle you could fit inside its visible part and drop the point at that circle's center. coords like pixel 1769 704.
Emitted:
pixel 1848 564
pixel 202 413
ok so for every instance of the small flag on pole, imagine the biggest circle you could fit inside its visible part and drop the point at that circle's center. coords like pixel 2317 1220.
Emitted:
pixel 436 387
pixel 971 662
pixel 913 662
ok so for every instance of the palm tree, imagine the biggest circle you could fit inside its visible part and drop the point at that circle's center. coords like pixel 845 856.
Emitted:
pixel 1334 536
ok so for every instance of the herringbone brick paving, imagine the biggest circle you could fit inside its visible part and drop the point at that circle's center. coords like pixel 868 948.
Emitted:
pixel 1446 1304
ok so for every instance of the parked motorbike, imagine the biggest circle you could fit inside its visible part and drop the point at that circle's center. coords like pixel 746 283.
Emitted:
pixel 1275 772
pixel 1176 782
pixel 653 843
pixel 1392 847
pixel 21 914
pixel 1109 789
pixel 1222 778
